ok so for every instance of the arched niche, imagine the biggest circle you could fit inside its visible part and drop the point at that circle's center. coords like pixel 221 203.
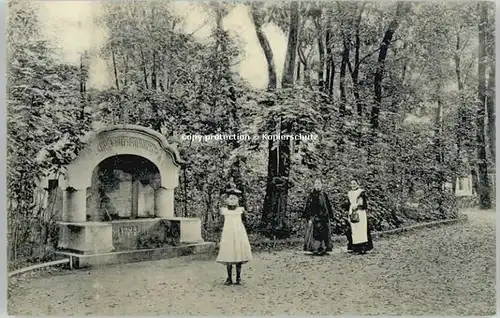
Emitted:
pixel 125 140
pixel 123 187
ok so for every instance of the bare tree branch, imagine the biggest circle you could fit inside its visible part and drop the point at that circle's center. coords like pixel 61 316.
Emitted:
pixel 361 60
pixel 301 55
pixel 349 67
pixel 199 28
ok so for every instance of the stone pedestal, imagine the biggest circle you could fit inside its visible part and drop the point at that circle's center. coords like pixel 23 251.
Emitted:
pixel 190 229
pixel 164 203
pixel 86 237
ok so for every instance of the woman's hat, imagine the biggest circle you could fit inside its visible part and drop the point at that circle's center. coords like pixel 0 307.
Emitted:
pixel 233 190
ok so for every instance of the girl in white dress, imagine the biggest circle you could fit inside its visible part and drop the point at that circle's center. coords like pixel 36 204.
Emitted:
pixel 234 247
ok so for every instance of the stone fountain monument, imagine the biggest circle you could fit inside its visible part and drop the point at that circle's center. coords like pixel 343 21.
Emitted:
pixel 118 201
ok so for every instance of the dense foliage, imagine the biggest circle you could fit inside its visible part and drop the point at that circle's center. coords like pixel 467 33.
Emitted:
pixel 47 118
pixel 389 89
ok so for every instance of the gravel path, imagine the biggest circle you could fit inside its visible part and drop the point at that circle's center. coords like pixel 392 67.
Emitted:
pixel 440 271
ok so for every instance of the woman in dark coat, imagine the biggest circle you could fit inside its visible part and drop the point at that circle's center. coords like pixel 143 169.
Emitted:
pixel 318 213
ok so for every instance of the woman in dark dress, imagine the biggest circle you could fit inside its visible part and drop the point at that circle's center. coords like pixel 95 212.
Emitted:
pixel 359 234
pixel 318 213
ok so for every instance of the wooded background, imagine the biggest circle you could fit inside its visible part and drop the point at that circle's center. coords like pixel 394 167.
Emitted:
pixel 400 94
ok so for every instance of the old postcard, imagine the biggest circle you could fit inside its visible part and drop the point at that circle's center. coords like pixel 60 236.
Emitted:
pixel 251 158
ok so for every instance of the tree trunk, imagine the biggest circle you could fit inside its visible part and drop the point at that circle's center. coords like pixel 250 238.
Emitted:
pixel 144 71
pixel 484 187
pixel 302 60
pixel 153 73
pixel 278 225
pixel 125 75
pixel 185 183
pixel 269 199
pixel 475 181
pixel 321 68
pixel 461 118
pixel 83 77
pixel 268 53
pixel 329 57
pixel 343 69
pixel 115 70
pixel 438 148
pixel 355 72
pixel 235 172
pixel 282 184
pixel 490 106
pixel 307 76
pixel 331 77
pixel 272 162
pixel 379 73
pixel 343 96
pixel 298 72
pixel 355 75
pixel 291 54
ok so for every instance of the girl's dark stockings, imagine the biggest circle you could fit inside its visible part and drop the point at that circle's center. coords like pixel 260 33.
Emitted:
pixel 238 273
pixel 229 279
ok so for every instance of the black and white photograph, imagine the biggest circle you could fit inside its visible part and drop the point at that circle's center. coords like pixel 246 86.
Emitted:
pixel 240 158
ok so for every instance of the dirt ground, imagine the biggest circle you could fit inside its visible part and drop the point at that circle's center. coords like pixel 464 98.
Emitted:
pixel 440 271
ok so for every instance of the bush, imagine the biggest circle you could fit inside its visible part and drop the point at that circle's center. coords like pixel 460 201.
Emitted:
pixel 467 202
pixel 163 234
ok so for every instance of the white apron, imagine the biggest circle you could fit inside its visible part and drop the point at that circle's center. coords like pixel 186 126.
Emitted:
pixel 359 230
